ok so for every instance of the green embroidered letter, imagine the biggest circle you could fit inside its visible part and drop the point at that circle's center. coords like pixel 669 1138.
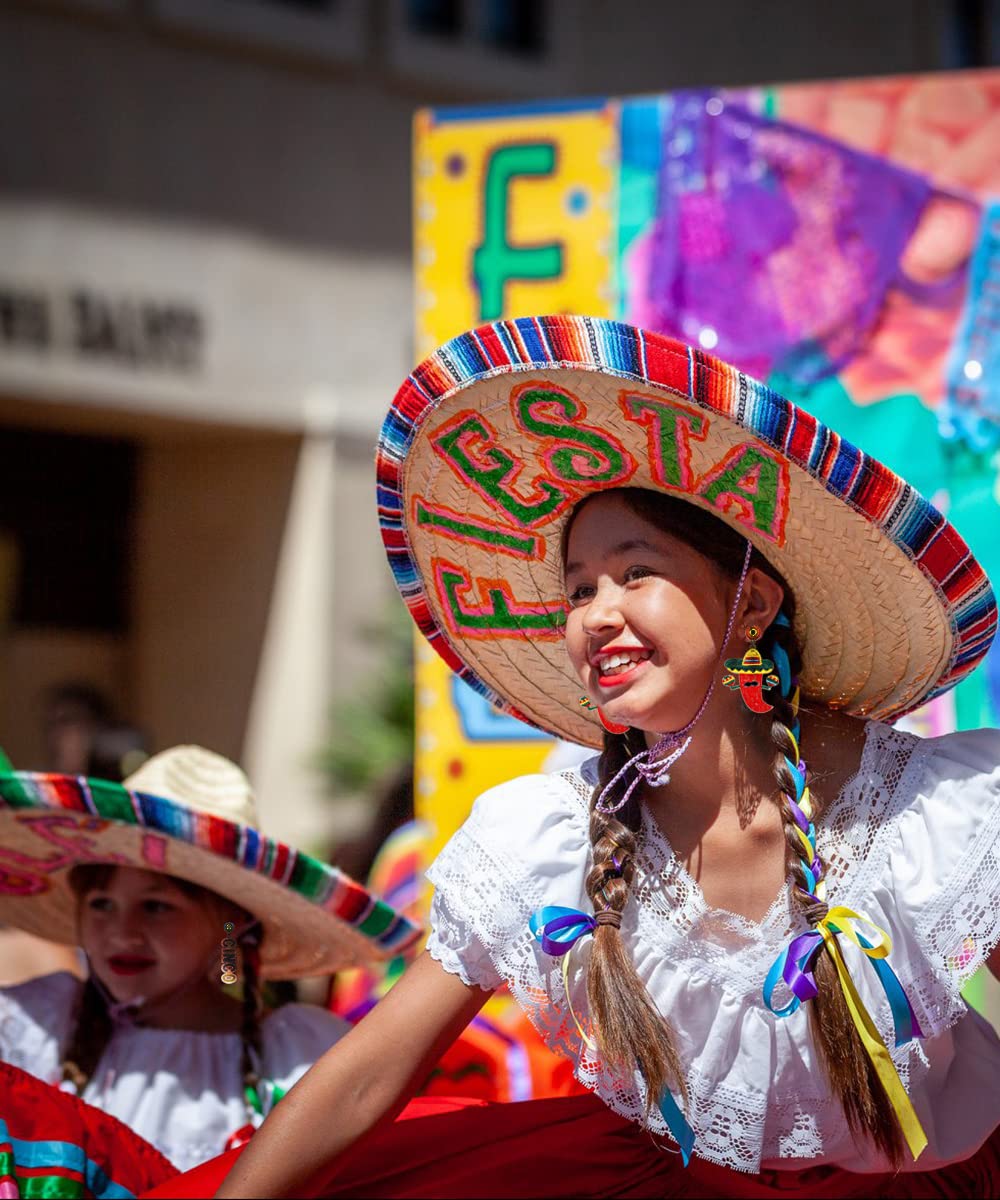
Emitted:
pixel 668 428
pixel 588 456
pixel 753 485
pixel 469 446
pixel 498 614
pixel 465 529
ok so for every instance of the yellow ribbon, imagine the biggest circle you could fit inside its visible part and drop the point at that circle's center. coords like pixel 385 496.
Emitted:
pixel 588 1041
pixel 841 920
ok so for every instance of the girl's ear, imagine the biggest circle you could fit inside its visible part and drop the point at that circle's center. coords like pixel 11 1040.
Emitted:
pixel 762 600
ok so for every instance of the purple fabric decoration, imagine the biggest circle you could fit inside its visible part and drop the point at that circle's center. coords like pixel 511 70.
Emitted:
pixel 774 246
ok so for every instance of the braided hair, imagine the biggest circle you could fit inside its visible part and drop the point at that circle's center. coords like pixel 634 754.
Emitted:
pixel 848 1068
pixel 629 1027
pixel 251 1048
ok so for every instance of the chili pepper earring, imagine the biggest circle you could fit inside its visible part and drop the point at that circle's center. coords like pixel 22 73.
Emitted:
pixel 610 726
pixel 751 675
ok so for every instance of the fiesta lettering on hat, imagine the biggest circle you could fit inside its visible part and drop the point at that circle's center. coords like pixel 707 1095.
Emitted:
pixel 495 437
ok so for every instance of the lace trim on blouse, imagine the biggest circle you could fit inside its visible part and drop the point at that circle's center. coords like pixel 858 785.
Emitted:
pixel 756 1090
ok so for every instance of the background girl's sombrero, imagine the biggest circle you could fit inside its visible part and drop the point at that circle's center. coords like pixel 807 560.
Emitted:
pixel 189 813
pixel 493 439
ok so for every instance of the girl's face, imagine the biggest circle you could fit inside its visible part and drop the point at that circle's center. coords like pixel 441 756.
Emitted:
pixel 646 620
pixel 145 936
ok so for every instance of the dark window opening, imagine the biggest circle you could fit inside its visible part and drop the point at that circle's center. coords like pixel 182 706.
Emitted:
pixel 67 504
pixel 517 26
pixel 435 18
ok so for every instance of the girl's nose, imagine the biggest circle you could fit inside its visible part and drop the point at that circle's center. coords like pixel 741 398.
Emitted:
pixel 604 611
pixel 130 928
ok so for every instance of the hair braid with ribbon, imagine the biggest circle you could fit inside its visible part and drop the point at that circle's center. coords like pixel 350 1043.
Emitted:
pixel 251 1049
pixel 848 1067
pixel 629 1027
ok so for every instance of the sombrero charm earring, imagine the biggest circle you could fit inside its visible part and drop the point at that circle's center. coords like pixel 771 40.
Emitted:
pixel 751 675
pixel 610 726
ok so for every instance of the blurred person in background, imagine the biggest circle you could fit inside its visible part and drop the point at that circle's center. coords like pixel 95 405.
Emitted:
pixel 175 898
pixel 82 736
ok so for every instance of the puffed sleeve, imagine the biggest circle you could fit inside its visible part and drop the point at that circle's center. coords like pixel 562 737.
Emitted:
pixel 942 878
pixel 34 1023
pixel 524 845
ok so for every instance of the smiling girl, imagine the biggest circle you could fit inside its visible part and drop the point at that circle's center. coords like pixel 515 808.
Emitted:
pixel 158 881
pixel 747 921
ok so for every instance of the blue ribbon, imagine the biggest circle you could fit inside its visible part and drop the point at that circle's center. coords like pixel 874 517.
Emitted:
pixel 676 1122
pixel 795 965
pixel 558 929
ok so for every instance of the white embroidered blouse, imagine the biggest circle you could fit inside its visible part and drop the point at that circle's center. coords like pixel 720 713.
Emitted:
pixel 912 842
pixel 179 1089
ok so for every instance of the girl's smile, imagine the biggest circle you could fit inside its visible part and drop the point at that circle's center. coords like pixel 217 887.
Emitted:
pixel 619 663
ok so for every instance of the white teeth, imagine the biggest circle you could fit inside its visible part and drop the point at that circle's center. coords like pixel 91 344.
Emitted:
pixel 613 661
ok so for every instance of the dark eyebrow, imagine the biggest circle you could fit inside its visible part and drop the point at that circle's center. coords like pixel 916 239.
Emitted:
pixel 615 551
pixel 632 544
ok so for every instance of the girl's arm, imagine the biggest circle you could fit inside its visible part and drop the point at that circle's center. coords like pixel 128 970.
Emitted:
pixel 365 1079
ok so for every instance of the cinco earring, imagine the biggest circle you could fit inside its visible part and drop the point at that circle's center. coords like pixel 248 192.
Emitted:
pixel 751 675
pixel 610 726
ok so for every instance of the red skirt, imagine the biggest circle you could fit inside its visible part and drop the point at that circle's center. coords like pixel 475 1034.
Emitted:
pixel 52 1144
pixel 572 1146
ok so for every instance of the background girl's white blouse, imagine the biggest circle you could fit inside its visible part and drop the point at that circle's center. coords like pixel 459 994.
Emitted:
pixel 179 1089
pixel 912 842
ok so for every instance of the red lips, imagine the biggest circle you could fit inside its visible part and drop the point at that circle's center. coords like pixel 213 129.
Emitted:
pixel 130 964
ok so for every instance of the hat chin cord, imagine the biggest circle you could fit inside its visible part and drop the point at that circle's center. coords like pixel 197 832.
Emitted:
pixel 130 1012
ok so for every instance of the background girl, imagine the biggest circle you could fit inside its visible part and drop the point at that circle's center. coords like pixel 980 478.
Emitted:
pixel 153 1037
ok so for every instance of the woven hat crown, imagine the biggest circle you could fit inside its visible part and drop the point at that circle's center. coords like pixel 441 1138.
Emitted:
pixel 200 780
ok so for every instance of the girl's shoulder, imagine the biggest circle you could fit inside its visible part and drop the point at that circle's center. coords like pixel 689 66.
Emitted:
pixel 969 757
pixel 293 1037
pixel 47 999
pixel 539 803
pixel 916 845
pixel 299 1033
pixel 525 844
pixel 901 771
pixel 35 1017
pixel 526 831
pixel 948 802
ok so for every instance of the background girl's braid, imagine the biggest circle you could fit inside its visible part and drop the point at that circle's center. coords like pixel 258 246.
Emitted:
pixel 628 1027
pixel 250 1031
pixel 91 1031
pixel 849 1069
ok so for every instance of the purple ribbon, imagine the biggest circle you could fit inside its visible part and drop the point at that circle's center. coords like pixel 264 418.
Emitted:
pixel 558 929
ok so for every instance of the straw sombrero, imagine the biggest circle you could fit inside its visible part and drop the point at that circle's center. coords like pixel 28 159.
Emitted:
pixel 189 813
pixel 493 439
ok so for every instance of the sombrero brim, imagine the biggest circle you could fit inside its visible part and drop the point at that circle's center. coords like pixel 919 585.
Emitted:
pixel 493 439
pixel 315 918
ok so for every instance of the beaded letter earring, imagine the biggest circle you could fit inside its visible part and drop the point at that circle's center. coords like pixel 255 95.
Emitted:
pixel 751 675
